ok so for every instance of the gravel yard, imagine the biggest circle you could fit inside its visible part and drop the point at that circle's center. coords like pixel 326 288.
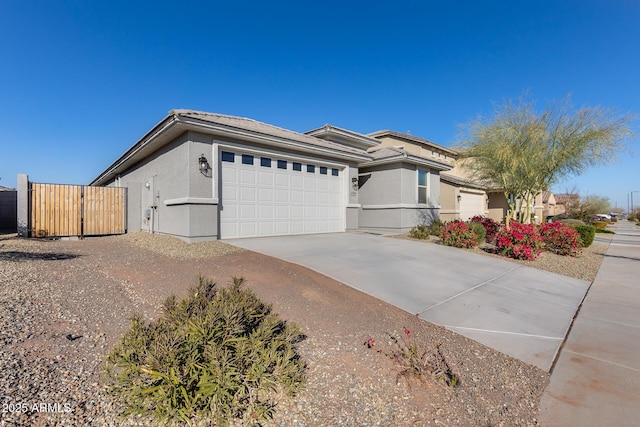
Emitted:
pixel 63 304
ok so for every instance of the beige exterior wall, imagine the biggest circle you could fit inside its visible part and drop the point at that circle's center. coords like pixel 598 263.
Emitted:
pixel 428 152
pixel 498 207
pixel 449 207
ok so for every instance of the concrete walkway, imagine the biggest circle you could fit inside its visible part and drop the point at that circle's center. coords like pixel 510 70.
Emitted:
pixel 596 381
pixel 518 310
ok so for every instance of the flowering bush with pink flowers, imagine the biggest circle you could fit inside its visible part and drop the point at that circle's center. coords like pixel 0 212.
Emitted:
pixel 489 225
pixel 459 235
pixel 521 241
pixel 560 238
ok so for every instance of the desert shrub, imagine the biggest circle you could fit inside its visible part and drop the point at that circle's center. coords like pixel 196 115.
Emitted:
pixel 613 219
pixel 600 225
pixel 521 241
pixel 435 227
pixel 490 226
pixel 560 238
pixel 632 217
pixel 419 232
pixel 459 235
pixel 417 362
pixel 480 231
pixel 587 234
pixel 572 221
pixel 218 354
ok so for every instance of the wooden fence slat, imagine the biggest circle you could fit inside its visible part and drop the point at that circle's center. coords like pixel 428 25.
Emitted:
pixel 57 210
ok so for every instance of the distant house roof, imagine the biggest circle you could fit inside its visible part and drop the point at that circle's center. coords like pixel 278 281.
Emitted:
pixel 2 188
pixel 563 199
pixel 410 138
pixel 387 155
pixel 221 125
pixel 457 180
pixel 546 195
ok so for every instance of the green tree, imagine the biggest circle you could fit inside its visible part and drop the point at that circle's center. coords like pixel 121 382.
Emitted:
pixel 524 152
pixel 591 205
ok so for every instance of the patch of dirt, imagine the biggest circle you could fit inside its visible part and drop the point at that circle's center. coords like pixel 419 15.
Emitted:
pixel 106 280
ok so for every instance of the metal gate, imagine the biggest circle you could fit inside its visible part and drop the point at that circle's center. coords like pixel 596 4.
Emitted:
pixel 76 210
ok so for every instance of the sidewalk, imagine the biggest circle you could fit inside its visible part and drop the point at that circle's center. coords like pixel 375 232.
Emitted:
pixel 596 380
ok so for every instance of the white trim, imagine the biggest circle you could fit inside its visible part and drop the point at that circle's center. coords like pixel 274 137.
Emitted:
pixel 400 206
pixel 354 205
pixel 192 201
pixel 215 170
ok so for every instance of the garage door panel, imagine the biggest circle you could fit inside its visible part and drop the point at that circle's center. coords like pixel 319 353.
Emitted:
pixel 282 180
pixel 247 176
pixel 248 229
pixel 259 200
pixel 248 194
pixel 265 212
pixel 282 212
pixel 265 195
pixel 247 212
pixel 297 181
pixel 282 196
pixel 266 178
pixel 297 196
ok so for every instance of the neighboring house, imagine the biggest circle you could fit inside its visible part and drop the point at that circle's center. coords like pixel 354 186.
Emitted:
pixel 202 176
pixel 461 197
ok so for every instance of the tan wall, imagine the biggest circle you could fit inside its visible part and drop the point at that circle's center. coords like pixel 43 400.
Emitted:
pixel 417 149
pixel 449 207
pixel 498 206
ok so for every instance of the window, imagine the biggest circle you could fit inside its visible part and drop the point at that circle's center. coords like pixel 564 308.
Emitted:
pixel 227 156
pixel 422 186
pixel 311 168
pixel 323 170
pixel 282 164
pixel 247 159
pixel 334 172
pixel 265 162
pixel 297 166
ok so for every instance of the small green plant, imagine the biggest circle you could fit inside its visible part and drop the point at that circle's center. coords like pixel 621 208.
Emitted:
pixel 418 362
pixel 217 354
pixel 419 232
pixel 600 225
pixel 587 234
pixel 435 226
pixel 478 228
pixel 604 231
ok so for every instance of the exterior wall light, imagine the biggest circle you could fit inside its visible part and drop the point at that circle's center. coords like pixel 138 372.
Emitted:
pixel 354 183
pixel 203 165
pixel 459 198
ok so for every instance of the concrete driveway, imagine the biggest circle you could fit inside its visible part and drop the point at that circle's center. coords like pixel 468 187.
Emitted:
pixel 514 309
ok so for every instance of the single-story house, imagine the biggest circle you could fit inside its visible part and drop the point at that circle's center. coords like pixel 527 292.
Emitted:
pixel 202 176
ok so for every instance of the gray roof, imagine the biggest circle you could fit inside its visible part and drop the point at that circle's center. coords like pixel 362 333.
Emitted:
pixel 330 130
pixel 224 126
pixel 2 188
pixel 263 128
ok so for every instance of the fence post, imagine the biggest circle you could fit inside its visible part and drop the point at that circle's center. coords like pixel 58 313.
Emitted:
pixel 23 205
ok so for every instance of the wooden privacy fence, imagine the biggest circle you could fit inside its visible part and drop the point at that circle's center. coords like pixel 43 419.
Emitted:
pixel 76 210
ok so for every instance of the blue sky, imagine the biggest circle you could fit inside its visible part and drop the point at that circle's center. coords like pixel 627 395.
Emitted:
pixel 82 81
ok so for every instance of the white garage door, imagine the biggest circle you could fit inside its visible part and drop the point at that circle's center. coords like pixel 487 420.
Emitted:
pixel 470 205
pixel 268 196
